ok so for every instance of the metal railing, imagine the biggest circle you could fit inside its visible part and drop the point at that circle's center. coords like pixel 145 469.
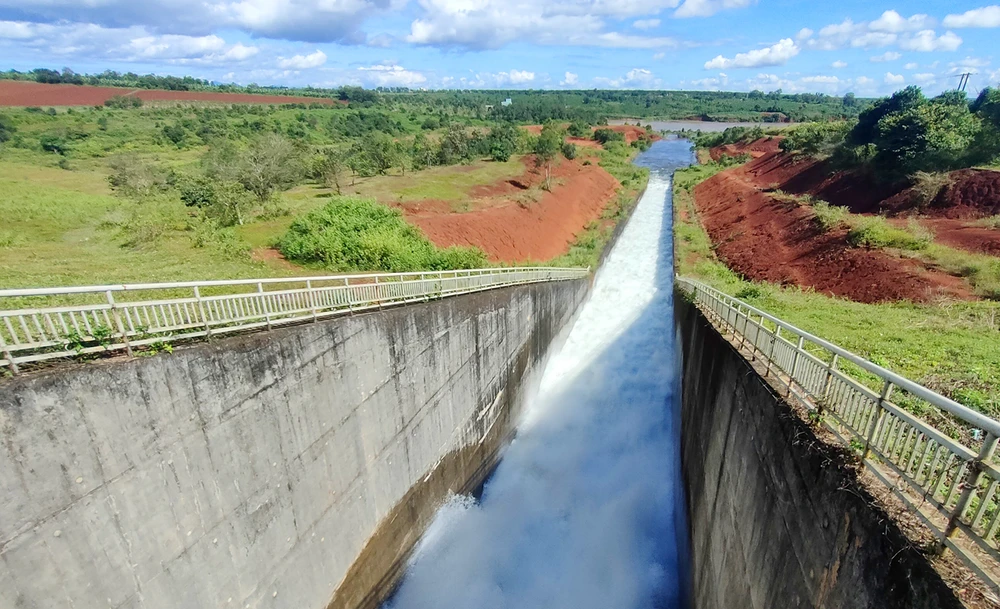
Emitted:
pixel 950 480
pixel 46 323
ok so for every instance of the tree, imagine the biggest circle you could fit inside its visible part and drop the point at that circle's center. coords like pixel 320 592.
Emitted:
pixel 175 133
pixel 503 142
pixel 579 129
pixel 133 178
pixel 867 130
pixel 454 146
pixel 270 164
pixel 231 203
pixel 7 128
pixel 546 148
pixel 332 168
pixel 421 152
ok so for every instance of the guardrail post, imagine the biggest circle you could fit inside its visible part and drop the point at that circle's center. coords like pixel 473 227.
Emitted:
pixel 312 299
pixel 263 301
pixel 7 355
pixel 829 375
pixel 795 366
pixel 878 418
pixel 971 483
pixel 118 322
pixel 774 341
pixel 201 311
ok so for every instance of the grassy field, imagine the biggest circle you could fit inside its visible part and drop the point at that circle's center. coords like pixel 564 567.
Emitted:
pixel 951 347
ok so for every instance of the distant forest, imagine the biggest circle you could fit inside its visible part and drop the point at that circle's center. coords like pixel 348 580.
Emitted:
pixel 527 105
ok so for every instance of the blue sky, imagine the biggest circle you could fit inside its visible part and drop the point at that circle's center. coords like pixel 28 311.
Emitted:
pixel 868 47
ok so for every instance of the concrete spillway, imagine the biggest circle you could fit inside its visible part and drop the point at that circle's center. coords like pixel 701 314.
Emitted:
pixel 586 507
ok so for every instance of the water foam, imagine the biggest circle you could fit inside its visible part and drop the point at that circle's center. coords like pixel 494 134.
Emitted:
pixel 586 508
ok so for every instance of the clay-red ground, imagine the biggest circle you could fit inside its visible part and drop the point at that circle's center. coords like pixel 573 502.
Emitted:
pixel 755 149
pixel 508 225
pixel 766 239
pixel 973 194
pixel 24 93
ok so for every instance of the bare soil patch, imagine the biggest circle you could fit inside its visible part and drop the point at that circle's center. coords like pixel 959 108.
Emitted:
pixel 756 148
pixel 766 239
pixel 514 220
pixel 23 93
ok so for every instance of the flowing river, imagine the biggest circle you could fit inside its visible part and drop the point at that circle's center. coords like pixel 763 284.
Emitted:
pixel 586 509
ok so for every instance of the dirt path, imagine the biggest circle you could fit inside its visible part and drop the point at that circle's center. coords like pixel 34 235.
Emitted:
pixel 769 240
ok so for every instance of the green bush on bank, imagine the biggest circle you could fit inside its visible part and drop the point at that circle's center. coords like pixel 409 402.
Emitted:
pixel 358 234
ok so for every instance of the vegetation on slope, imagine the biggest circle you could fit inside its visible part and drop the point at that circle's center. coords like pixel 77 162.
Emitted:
pixel 953 348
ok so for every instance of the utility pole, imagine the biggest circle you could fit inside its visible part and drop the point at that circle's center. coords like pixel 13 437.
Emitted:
pixel 963 80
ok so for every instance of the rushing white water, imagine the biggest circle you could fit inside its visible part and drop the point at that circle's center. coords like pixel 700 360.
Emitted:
pixel 586 508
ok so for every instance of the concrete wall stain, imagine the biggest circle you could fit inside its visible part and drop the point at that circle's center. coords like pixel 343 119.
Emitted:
pixel 776 520
pixel 266 470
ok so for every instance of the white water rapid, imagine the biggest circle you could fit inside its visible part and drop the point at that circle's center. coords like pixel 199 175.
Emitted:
pixel 586 508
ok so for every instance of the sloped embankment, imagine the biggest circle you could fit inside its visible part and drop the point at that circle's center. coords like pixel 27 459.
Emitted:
pixel 768 239
pixel 515 220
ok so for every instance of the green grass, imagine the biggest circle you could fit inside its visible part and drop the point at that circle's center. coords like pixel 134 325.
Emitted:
pixel 991 222
pixel 875 232
pixel 953 348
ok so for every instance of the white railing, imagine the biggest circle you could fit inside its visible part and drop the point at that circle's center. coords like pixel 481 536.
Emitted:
pixel 46 323
pixel 946 473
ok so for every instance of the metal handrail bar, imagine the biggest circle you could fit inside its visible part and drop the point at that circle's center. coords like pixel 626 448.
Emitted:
pixel 126 287
pixel 968 415
pixel 64 330
pixel 961 485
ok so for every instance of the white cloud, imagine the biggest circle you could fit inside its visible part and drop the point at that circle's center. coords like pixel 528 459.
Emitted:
pixel 303 62
pixel 133 44
pixel 659 56
pixel 927 41
pixel 570 79
pixel 970 62
pixel 988 16
pixel 646 24
pixel 822 80
pixel 622 41
pixel 636 78
pixel 910 33
pixel 894 79
pixel 516 77
pixel 391 75
pixel 302 20
pixel 924 78
pixel 804 34
pixel 775 55
pixel 839 65
pixel 887 56
pixel 491 24
pixel 707 8
pixel 893 22
pixel 911 66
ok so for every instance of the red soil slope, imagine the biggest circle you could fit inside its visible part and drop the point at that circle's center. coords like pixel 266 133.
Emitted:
pixel 756 149
pixel 22 93
pixel 512 230
pixel 770 240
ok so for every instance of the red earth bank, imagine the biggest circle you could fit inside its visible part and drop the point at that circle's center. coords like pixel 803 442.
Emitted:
pixel 756 149
pixel 23 93
pixel 512 228
pixel 769 240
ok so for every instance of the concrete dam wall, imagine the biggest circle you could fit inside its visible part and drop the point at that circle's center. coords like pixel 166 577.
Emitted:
pixel 291 469
pixel 776 519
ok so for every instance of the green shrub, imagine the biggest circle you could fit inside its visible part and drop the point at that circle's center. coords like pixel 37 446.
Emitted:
pixel 829 217
pixel 123 102
pixel 357 234
pixel 815 138
pixel 569 150
pixel 927 186
pixel 875 232
pixel 605 136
